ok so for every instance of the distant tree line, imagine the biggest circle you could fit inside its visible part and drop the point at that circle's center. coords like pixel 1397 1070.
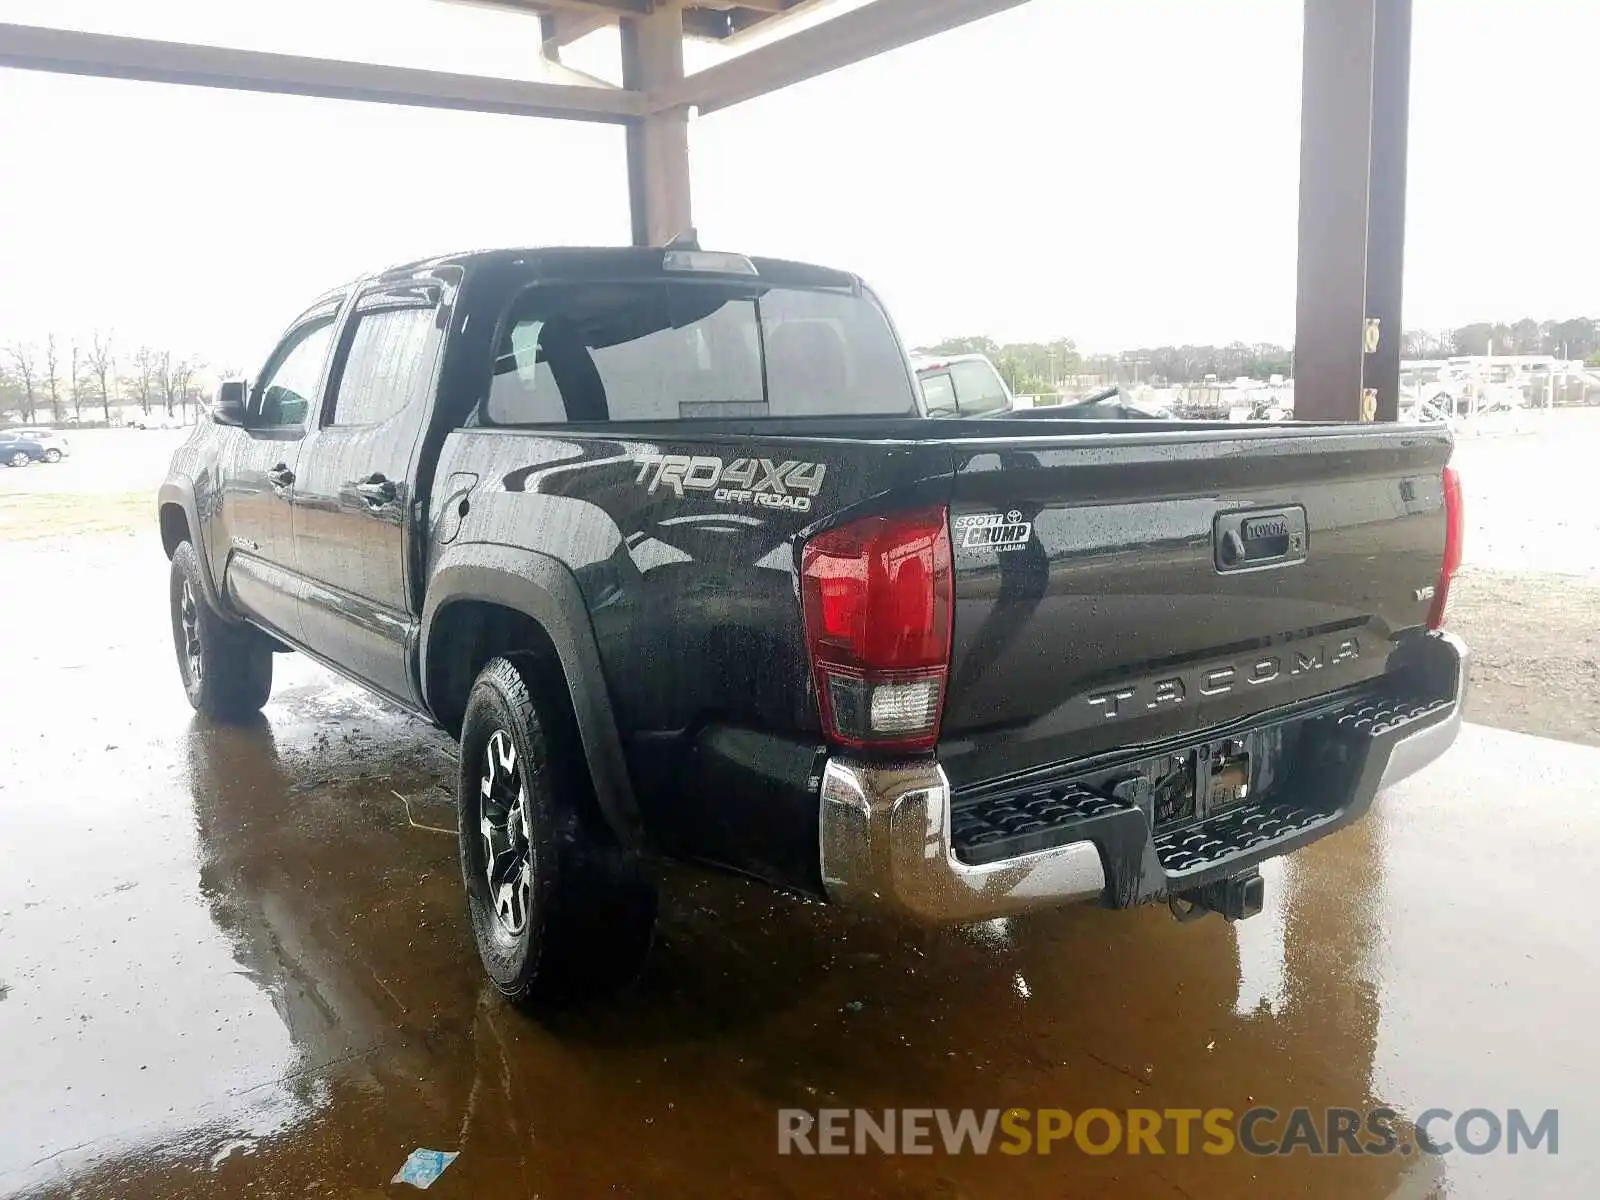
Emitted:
pixel 42 384
pixel 1031 368
pixel 1043 368
pixel 1038 368
pixel 1576 338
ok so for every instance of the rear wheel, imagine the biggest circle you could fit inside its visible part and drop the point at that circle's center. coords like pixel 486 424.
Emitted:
pixel 560 911
pixel 19 459
pixel 226 669
pixel 52 456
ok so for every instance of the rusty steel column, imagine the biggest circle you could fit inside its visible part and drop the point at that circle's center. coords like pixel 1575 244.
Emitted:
pixel 1386 199
pixel 658 143
pixel 1336 122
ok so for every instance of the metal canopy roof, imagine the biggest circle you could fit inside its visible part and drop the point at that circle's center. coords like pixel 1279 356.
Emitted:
pixel 871 29
pixel 1354 113
pixel 565 21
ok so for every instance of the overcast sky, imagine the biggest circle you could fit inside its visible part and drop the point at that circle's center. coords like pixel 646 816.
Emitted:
pixel 1119 173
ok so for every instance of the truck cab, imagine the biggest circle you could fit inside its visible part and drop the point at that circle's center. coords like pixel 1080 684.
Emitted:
pixel 962 385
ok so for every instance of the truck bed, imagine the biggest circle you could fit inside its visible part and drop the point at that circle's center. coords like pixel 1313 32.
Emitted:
pixel 1100 620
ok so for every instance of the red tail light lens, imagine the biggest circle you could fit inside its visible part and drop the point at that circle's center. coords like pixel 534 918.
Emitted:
pixel 878 595
pixel 1454 529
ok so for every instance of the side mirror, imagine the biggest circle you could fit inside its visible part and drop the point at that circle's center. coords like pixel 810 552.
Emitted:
pixel 228 408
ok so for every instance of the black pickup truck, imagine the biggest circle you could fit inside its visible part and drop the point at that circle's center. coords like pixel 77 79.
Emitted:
pixel 666 538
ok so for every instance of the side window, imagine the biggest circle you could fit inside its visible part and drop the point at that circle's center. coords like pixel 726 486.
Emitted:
pixel 289 386
pixel 386 367
pixel 979 389
pixel 939 394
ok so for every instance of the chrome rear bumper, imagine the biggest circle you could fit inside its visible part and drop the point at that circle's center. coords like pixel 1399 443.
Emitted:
pixel 886 844
pixel 1410 754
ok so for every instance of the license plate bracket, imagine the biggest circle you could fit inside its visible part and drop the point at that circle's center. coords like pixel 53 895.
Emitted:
pixel 1228 777
pixel 1202 782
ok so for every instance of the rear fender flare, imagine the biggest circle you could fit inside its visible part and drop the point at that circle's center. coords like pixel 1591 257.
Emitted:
pixel 544 589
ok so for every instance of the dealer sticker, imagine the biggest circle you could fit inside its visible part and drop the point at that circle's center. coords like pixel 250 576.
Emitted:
pixel 999 533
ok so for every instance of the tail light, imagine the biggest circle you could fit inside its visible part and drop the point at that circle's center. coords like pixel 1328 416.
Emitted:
pixel 1453 529
pixel 878 595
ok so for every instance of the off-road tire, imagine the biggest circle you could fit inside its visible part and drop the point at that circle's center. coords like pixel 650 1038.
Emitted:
pixel 588 905
pixel 226 669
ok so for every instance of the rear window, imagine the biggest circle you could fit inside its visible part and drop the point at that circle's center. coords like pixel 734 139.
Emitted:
pixel 939 394
pixel 978 389
pixel 680 351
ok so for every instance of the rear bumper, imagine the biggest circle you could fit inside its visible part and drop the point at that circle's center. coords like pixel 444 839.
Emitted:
pixel 886 844
pixel 1411 753
pixel 887 832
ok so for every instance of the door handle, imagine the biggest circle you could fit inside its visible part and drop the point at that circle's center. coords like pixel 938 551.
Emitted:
pixel 280 476
pixel 376 490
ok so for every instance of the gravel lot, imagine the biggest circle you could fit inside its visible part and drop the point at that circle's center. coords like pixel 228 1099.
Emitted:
pixel 1528 599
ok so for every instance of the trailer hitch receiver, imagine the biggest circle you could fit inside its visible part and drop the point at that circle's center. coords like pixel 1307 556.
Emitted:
pixel 1236 898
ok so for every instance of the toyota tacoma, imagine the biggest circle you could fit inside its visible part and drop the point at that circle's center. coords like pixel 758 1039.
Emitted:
pixel 667 540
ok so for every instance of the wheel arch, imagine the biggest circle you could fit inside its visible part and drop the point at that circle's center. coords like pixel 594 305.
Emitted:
pixel 486 600
pixel 179 520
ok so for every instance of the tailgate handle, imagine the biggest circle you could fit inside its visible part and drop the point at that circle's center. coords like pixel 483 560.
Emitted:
pixel 1248 541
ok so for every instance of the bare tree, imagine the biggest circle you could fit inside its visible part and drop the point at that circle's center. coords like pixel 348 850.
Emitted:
pixel 103 366
pixel 146 374
pixel 183 372
pixel 177 381
pixel 27 369
pixel 11 395
pixel 74 384
pixel 164 377
pixel 52 377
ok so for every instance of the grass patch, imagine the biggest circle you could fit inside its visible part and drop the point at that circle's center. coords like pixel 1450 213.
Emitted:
pixel 46 515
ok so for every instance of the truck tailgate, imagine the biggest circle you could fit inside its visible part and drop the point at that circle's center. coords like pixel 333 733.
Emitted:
pixel 1116 591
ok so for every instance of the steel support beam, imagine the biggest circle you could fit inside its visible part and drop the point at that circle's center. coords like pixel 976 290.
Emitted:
pixel 870 30
pixel 561 28
pixel 1336 118
pixel 658 143
pixel 75 53
pixel 1386 200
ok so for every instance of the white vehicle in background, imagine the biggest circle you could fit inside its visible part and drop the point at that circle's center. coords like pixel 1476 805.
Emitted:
pixel 156 420
pixel 55 446
pixel 961 385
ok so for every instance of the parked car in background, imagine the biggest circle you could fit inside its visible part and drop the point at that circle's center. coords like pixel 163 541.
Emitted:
pixel 962 385
pixel 156 420
pixel 55 446
pixel 19 451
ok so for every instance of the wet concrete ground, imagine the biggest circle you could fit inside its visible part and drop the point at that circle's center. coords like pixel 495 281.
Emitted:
pixel 230 965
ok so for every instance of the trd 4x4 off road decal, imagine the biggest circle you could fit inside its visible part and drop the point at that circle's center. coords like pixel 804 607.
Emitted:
pixel 755 481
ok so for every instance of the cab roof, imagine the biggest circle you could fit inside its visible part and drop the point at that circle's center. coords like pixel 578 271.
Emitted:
pixel 628 262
